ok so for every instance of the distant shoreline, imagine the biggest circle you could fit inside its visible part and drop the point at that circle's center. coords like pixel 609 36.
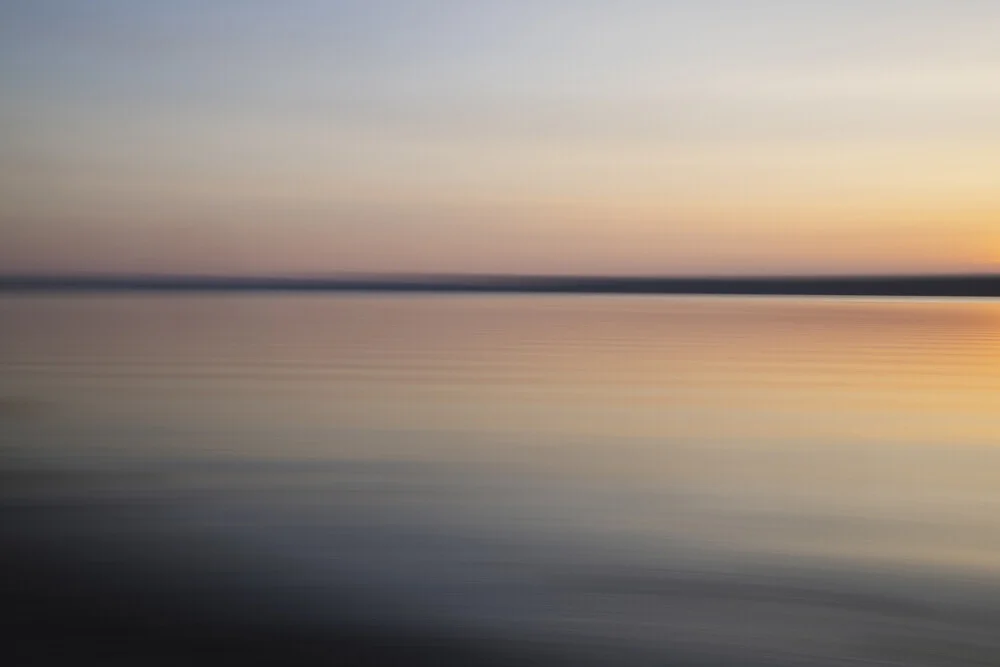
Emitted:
pixel 917 286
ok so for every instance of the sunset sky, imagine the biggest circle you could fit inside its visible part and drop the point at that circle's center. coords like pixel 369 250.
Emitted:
pixel 505 136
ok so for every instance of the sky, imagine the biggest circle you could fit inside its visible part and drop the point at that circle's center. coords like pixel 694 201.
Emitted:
pixel 505 136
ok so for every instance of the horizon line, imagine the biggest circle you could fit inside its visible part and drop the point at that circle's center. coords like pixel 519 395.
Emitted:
pixel 910 285
pixel 423 275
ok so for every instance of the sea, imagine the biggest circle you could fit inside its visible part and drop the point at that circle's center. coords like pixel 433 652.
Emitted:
pixel 358 478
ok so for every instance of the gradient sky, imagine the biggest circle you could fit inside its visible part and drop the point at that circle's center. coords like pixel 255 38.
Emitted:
pixel 535 136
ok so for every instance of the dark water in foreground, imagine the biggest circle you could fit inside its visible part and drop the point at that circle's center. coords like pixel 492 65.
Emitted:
pixel 500 480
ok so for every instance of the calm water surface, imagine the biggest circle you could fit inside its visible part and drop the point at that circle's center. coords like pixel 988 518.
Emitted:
pixel 568 479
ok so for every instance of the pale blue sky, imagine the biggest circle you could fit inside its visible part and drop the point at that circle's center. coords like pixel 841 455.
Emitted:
pixel 459 135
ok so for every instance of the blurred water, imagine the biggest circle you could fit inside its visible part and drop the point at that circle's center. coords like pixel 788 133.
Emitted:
pixel 559 479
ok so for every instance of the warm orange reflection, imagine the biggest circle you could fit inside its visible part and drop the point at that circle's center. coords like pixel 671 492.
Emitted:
pixel 704 368
pixel 683 433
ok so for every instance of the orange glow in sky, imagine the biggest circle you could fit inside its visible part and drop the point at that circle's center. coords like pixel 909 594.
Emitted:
pixel 521 137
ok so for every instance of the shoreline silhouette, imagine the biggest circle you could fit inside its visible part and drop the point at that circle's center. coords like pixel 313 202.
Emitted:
pixel 968 285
